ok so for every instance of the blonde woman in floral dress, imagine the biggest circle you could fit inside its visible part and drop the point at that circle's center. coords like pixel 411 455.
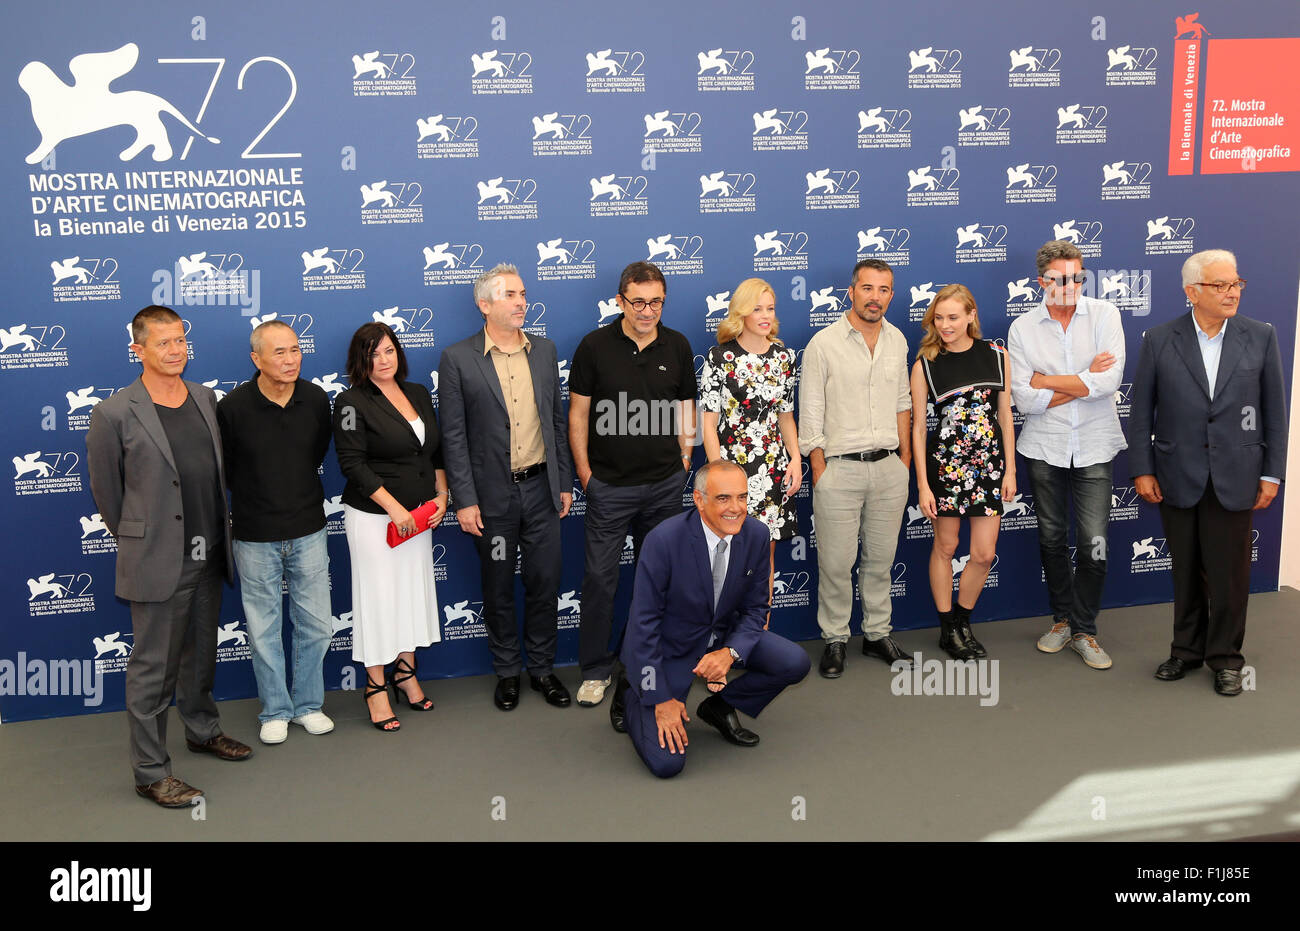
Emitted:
pixel 747 408
pixel 970 458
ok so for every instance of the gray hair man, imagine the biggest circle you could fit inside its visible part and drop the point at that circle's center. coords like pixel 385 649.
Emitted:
pixel 511 478
pixel 275 429
pixel 1209 437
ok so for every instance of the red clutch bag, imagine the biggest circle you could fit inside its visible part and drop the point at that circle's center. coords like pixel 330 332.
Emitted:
pixel 421 515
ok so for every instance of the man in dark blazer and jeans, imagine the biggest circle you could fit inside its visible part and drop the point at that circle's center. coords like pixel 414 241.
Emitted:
pixel 1208 434
pixel 506 448
pixel 157 476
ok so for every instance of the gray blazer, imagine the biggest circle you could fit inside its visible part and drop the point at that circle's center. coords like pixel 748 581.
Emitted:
pixel 136 487
pixel 476 428
pixel 1183 437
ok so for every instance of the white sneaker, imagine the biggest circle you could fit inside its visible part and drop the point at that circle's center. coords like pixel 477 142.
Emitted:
pixel 315 722
pixel 1055 639
pixel 274 732
pixel 592 691
pixel 1090 650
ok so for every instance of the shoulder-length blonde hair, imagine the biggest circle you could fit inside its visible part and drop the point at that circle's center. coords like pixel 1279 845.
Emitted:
pixel 743 301
pixel 931 342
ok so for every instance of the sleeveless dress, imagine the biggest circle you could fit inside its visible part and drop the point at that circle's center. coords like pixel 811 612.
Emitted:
pixel 748 391
pixel 964 458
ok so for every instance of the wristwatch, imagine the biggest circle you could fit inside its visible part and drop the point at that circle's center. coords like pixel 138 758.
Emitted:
pixel 735 657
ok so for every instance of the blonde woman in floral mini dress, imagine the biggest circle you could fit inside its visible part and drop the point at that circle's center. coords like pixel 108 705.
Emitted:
pixel 747 408
pixel 970 458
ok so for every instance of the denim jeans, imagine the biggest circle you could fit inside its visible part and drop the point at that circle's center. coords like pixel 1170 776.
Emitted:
pixel 1073 587
pixel 304 564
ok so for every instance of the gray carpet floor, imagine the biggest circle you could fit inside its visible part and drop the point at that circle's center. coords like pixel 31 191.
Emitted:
pixel 1065 753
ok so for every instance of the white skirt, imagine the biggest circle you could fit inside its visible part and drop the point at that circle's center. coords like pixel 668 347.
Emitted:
pixel 394 600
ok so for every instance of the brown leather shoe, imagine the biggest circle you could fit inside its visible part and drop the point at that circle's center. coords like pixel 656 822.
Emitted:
pixel 227 748
pixel 170 793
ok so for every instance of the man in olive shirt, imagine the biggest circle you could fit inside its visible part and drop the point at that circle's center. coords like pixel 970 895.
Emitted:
pixel 631 427
pixel 275 429
pixel 510 476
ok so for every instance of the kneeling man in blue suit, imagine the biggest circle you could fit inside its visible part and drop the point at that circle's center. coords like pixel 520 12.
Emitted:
pixel 698 606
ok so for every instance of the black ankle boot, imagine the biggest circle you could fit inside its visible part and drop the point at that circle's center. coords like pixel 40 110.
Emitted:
pixel 950 640
pixel 961 620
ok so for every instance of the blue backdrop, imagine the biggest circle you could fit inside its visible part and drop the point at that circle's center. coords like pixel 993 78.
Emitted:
pixel 365 161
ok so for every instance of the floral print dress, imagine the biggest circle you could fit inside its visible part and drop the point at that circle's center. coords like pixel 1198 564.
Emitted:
pixel 964 456
pixel 747 391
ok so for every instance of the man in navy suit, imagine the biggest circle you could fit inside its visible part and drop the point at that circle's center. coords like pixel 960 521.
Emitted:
pixel 698 606
pixel 1208 445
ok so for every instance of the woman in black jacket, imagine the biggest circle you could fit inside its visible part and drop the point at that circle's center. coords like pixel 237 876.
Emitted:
pixel 388 444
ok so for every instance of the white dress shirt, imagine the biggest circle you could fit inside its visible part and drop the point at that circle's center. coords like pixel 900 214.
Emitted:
pixel 1084 431
pixel 1211 351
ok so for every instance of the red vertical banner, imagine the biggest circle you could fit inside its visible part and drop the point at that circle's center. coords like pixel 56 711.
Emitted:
pixel 1183 106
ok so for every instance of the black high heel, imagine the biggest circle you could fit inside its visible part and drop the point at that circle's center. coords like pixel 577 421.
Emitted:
pixel 375 689
pixel 424 704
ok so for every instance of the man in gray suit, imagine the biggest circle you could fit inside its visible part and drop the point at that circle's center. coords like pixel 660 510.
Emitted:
pixel 1208 445
pixel 506 448
pixel 156 473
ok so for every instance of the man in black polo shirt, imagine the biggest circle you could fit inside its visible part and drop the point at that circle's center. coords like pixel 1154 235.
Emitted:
pixel 631 427
pixel 275 429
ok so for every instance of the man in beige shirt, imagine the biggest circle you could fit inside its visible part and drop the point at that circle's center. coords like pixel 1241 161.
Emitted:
pixel 505 443
pixel 855 427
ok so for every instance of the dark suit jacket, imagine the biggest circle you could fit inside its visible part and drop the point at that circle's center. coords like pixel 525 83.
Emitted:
pixel 672 617
pixel 377 447
pixel 137 489
pixel 476 428
pixel 1183 437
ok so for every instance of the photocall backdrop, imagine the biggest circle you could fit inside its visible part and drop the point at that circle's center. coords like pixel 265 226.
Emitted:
pixel 356 162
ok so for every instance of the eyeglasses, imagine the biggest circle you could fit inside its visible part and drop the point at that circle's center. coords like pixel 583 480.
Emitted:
pixel 1222 287
pixel 1058 280
pixel 639 304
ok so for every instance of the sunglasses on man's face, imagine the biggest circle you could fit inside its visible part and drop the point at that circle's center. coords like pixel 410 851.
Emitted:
pixel 1058 280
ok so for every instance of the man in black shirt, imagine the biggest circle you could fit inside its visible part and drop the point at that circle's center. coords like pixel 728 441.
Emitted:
pixel 631 428
pixel 276 429
pixel 154 456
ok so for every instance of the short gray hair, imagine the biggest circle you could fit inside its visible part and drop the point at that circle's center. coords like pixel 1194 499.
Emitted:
pixel 1055 249
pixel 255 340
pixel 702 476
pixel 1194 267
pixel 483 283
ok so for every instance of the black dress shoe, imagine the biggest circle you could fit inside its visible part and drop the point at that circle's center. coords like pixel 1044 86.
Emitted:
pixel 832 664
pixel 618 707
pixel 1228 682
pixel 1175 668
pixel 506 696
pixel 716 712
pixel 885 648
pixel 552 690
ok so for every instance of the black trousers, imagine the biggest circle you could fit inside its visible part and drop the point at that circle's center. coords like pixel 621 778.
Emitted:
pixel 525 522
pixel 1210 550
pixel 613 513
